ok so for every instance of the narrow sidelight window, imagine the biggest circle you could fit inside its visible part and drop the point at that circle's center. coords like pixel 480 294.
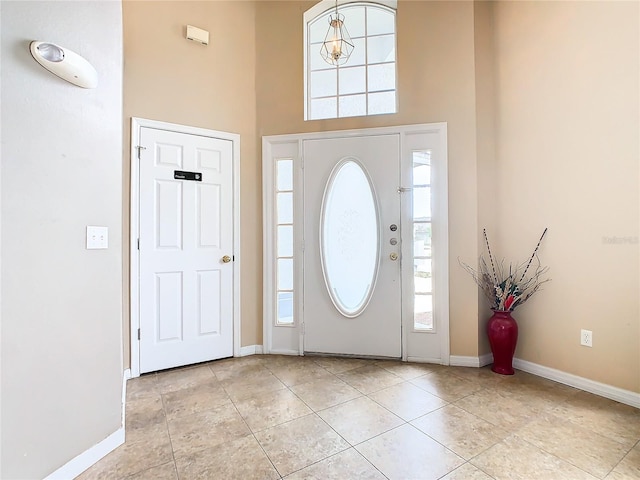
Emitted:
pixel 422 254
pixel 284 241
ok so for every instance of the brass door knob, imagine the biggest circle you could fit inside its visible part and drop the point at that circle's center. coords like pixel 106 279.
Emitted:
pixel 226 259
pixel 393 256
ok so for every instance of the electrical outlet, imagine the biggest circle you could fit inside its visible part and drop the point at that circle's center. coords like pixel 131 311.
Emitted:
pixel 97 237
pixel 586 338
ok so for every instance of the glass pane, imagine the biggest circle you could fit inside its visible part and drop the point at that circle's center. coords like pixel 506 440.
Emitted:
pixel 285 241
pixel 324 83
pixel 285 307
pixel 421 157
pixel 349 238
pixel 358 55
pixel 316 62
pixel 380 21
pixel 284 173
pixel 422 239
pixel 381 49
pixel 318 28
pixel 323 108
pixel 382 77
pixel 422 203
pixel 285 207
pixel 422 275
pixel 285 274
pixel 421 174
pixel 423 312
pixel 382 103
pixel 353 105
pixel 352 80
pixel 353 20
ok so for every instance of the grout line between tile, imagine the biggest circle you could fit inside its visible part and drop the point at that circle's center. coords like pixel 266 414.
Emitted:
pixel 253 434
pixel 166 421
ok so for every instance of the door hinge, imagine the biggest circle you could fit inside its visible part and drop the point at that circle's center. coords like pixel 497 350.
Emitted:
pixel 138 244
pixel 138 334
pixel 140 147
pixel 302 163
pixel 302 326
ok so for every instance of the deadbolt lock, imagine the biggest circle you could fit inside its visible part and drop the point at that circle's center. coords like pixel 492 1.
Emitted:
pixel 226 259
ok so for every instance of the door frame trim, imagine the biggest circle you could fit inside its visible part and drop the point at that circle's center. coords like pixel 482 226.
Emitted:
pixel 134 228
pixel 281 339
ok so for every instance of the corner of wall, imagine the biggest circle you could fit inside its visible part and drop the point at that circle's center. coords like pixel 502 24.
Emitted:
pixel 484 46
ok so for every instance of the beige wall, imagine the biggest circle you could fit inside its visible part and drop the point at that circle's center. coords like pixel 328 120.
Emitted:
pixel 568 147
pixel 171 79
pixel 254 91
pixel 522 86
pixel 61 304
pixel 435 84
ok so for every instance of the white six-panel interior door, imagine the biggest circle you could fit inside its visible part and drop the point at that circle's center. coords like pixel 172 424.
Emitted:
pixel 185 247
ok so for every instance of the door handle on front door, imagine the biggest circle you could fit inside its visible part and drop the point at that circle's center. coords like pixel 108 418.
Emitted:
pixel 226 259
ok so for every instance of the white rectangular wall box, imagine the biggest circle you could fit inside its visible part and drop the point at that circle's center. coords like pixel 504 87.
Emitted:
pixel 197 35
pixel 97 237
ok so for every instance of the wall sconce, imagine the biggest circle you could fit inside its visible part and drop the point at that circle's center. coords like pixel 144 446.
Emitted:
pixel 65 64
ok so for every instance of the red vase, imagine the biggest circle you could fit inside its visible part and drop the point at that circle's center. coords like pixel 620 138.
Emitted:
pixel 502 330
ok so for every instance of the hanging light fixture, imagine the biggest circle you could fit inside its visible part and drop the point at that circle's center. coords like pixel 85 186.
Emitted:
pixel 337 46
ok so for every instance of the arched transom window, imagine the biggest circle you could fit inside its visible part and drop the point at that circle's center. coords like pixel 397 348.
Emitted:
pixel 366 84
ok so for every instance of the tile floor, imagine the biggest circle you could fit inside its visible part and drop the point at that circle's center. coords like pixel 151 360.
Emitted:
pixel 270 417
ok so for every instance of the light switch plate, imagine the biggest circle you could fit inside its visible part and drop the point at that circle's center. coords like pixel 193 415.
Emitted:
pixel 97 237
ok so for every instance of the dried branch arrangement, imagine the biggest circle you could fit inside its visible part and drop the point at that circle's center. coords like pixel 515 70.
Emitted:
pixel 508 287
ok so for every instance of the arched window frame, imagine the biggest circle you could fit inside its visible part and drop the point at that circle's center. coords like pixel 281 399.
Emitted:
pixel 321 9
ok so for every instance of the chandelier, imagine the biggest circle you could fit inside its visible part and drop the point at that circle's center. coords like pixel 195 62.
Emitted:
pixel 337 46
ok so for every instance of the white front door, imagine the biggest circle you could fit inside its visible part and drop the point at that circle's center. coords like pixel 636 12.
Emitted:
pixel 352 281
pixel 186 249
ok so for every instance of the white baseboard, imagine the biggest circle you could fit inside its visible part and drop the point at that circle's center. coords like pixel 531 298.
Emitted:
pixel 126 376
pixel 462 361
pixel 86 459
pixel 614 393
pixel 486 359
pixel 608 391
pixel 79 464
pixel 250 350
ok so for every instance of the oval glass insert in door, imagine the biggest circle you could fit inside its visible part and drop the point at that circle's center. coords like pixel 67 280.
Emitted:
pixel 349 237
